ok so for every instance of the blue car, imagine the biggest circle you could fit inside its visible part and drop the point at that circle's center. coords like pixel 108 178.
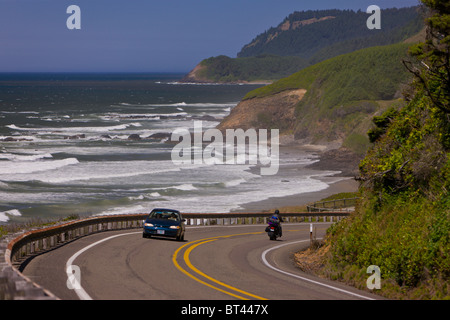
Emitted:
pixel 164 223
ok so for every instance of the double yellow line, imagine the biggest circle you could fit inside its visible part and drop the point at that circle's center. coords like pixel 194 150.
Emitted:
pixel 229 290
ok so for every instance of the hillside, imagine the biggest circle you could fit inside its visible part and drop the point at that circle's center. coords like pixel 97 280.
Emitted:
pixel 303 39
pixel 262 68
pixel 402 223
pixel 331 103
pixel 308 33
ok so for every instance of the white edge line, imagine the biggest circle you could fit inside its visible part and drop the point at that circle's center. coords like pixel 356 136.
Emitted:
pixel 263 256
pixel 81 293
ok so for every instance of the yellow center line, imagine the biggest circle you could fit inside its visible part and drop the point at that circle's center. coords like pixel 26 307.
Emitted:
pixel 197 243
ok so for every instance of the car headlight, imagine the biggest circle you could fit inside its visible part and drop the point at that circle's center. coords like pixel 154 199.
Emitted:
pixel 148 224
pixel 174 227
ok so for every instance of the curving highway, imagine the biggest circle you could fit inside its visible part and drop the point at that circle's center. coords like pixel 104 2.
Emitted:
pixel 213 263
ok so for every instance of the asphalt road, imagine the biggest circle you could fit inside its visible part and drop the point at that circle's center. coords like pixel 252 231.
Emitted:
pixel 213 263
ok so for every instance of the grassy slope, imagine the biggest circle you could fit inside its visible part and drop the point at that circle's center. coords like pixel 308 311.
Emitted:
pixel 260 68
pixel 343 93
pixel 372 73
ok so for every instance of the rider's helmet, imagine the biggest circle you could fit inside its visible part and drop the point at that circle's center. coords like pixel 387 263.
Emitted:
pixel 274 220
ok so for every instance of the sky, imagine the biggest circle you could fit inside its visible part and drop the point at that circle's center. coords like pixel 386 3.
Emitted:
pixel 142 35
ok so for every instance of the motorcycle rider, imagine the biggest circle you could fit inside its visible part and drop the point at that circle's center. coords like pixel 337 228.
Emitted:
pixel 276 219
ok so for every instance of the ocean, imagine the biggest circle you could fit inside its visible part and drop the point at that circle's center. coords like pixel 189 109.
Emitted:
pixel 82 144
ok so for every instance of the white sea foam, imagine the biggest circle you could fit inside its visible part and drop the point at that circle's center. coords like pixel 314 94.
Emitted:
pixel 188 104
pixel 4 185
pixel 185 187
pixel 226 202
pixel 25 157
pixel 144 116
pixel 123 210
pixel 77 129
pixel 140 197
pixel 106 150
pixel 176 83
pixel 31 198
pixel 10 168
pixel 5 215
pixel 143 183
pixel 234 183
pixel 20 112
pixel 19 138
pixel 99 173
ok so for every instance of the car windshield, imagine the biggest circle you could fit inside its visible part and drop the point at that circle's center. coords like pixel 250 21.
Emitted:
pixel 165 215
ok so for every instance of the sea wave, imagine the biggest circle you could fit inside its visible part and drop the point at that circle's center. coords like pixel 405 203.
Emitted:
pixel 4 185
pixel 234 183
pixel 25 157
pixel 5 215
pixel 123 210
pixel 100 173
pixel 185 187
pixel 223 203
pixel 10 168
pixel 145 116
pixel 182 83
pixel 77 129
pixel 184 104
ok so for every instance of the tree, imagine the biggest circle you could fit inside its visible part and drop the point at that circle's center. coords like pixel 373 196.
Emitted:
pixel 432 65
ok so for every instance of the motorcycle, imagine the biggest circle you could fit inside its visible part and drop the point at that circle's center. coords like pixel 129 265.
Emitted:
pixel 272 231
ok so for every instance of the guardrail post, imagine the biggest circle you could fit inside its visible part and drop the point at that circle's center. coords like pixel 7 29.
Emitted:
pixel 45 239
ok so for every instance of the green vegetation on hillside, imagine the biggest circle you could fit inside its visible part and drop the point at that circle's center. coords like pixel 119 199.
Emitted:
pixel 323 34
pixel 402 224
pixel 2 231
pixel 368 74
pixel 263 67
pixel 343 93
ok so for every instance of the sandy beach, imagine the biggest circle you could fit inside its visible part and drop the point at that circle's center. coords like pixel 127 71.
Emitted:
pixel 331 160
pixel 345 185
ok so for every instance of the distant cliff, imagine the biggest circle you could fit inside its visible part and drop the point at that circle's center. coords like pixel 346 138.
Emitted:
pixel 196 75
pixel 260 69
pixel 274 111
pixel 323 34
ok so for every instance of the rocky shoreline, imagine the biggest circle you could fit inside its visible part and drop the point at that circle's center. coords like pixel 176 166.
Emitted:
pixel 193 78
pixel 341 159
pixel 330 159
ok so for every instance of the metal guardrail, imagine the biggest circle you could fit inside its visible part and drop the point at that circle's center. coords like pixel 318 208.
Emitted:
pixel 345 204
pixel 15 249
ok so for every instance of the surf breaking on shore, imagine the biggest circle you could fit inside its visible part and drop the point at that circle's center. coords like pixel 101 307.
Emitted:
pixel 109 153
